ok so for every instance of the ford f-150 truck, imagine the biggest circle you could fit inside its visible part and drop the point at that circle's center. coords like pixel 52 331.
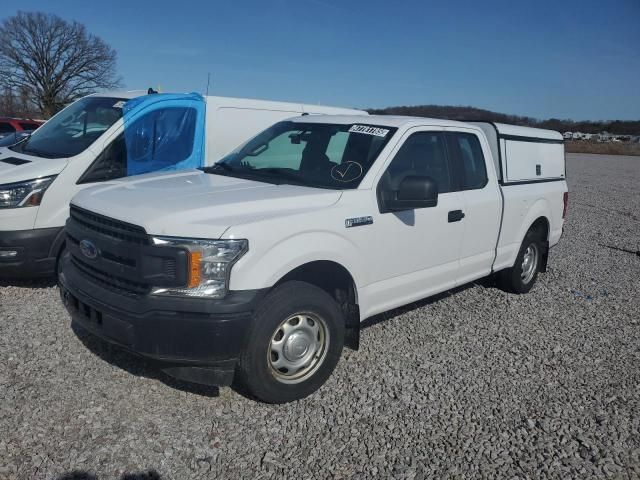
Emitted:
pixel 257 268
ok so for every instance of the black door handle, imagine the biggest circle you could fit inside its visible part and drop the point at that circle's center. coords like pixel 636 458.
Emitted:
pixel 455 216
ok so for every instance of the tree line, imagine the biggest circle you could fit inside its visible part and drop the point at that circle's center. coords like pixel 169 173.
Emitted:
pixel 618 127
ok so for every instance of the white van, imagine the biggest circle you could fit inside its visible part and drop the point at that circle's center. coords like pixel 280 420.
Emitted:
pixel 107 136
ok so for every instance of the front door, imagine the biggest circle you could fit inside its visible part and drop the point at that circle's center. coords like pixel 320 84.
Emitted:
pixel 416 251
pixel 161 132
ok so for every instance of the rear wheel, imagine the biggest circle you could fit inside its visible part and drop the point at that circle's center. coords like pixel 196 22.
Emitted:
pixel 521 277
pixel 293 345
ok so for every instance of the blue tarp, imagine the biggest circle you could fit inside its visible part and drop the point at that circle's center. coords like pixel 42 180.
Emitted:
pixel 163 132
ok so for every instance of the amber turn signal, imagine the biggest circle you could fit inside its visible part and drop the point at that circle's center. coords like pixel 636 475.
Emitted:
pixel 195 276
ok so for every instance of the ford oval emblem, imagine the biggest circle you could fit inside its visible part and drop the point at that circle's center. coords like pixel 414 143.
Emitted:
pixel 88 249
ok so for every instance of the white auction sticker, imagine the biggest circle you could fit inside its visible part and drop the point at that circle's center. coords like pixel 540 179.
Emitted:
pixel 378 132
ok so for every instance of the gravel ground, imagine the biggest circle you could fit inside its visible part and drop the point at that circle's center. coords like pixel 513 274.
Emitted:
pixel 475 383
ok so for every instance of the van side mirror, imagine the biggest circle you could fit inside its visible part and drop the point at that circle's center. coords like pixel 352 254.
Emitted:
pixel 414 191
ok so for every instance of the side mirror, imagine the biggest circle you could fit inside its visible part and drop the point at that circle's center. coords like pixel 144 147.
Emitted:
pixel 413 192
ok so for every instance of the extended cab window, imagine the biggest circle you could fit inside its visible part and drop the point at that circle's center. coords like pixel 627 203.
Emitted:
pixel 423 154
pixel 154 142
pixel 474 170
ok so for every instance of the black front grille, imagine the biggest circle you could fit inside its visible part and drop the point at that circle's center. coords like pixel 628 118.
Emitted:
pixel 111 282
pixel 109 226
pixel 169 267
pixel 125 260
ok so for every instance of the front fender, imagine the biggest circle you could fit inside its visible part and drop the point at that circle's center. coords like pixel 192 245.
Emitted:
pixel 262 268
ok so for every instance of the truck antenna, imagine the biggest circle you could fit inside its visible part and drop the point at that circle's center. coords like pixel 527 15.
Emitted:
pixel 208 81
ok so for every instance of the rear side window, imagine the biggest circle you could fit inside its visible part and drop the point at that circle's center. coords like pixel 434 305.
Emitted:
pixel 472 165
pixel 29 126
pixel 6 128
pixel 422 154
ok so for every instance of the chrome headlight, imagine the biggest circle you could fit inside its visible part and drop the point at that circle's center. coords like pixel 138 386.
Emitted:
pixel 210 263
pixel 24 194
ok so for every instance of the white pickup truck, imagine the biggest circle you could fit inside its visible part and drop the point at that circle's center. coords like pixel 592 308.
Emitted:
pixel 257 268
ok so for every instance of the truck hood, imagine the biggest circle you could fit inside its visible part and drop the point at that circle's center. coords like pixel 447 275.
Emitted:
pixel 196 204
pixel 17 167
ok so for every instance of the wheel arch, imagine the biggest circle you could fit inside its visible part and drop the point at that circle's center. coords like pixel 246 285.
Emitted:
pixel 335 279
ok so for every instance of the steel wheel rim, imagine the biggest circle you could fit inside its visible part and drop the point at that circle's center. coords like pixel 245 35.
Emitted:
pixel 529 263
pixel 298 348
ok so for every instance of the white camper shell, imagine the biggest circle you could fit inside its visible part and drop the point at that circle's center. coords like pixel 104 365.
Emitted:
pixel 524 154
pixel 38 177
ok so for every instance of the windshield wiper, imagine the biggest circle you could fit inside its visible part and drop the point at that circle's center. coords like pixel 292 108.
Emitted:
pixel 283 174
pixel 218 166
pixel 273 175
pixel 225 169
pixel 280 173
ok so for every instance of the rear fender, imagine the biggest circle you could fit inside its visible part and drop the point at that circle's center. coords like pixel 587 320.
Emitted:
pixel 540 208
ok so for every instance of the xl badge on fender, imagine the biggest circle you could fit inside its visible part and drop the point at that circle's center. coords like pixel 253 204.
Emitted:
pixel 358 221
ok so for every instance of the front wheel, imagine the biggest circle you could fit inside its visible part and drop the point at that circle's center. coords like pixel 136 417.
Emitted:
pixel 521 277
pixel 293 345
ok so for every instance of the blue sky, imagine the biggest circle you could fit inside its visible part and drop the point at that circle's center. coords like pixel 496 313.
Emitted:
pixel 575 59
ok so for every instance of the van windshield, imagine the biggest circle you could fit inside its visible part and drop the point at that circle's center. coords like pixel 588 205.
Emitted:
pixel 72 130
pixel 322 155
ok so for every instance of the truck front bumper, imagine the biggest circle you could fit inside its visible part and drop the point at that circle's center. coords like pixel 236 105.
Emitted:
pixel 192 339
pixel 28 253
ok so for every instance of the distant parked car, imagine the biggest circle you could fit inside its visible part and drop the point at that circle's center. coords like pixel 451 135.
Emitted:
pixel 13 125
pixel 13 138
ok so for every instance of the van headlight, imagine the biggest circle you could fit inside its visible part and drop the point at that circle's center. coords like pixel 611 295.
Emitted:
pixel 210 263
pixel 24 194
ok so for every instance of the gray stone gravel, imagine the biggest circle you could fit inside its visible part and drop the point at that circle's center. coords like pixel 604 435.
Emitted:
pixel 476 383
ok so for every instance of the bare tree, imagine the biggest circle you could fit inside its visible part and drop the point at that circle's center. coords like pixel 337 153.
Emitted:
pixel 53 61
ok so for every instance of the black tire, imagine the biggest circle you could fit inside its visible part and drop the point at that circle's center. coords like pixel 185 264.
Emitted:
pixel 511 279
pixel 281 306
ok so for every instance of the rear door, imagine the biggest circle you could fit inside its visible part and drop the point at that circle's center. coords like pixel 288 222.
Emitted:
pixel 481 212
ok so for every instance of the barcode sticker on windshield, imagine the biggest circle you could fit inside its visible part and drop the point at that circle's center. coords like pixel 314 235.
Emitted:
pixel 378 132
pixel 119 104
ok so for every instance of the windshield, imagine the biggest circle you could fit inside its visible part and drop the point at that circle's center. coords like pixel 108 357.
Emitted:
pixel 312 154
pixel 76 127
